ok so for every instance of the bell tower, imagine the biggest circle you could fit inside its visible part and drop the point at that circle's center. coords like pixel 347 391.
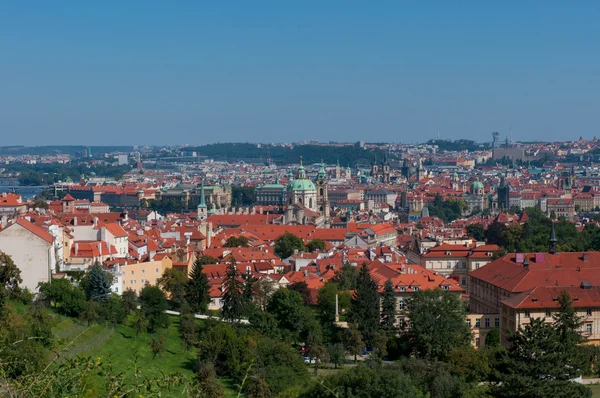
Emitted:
pixel 322 195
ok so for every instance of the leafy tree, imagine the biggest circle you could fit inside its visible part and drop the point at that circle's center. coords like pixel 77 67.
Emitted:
pixel 337 354
pixel 326 301
pixel 188 331
pixel 302 288
pixel 113 310
pixel 279 365
pixel 174 282
pixel 197 288
pixel 140 322
pixel 287 243
pixel 493 233
pixel 206 383
pixel 263 289
pixel 233 301
pixel 288 308
pixel 568 323
pixel 469 363
pixel 476 231
pixel 91 313
pixel 97 284
pixel 319 353
pixel 68 299
pixel 129 301
pixel 354 341
pixel 492 339
pixel 346 277
pixel 364 310
pixel 235 241
pixel 438 323
pixel 153 305
pixel 157 344
pixel 380 340
pixel 316 244
pixel 248 293
pixel 10 277
pixel 388 308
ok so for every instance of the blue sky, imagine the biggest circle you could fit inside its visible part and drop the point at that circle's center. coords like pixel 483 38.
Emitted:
pixel 194 72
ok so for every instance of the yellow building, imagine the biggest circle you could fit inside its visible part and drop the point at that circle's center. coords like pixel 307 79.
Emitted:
pixel 137 275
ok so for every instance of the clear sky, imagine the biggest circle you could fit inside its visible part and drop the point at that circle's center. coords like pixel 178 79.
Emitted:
pixel 195 72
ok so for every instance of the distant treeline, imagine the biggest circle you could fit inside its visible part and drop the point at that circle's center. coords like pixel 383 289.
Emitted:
pixel 457 145
pixel 346 155
pixel 49 173
pixel 60 150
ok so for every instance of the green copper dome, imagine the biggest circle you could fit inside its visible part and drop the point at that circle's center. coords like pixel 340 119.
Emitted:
pixel 322 175
pixel 476 185
pixel 301 184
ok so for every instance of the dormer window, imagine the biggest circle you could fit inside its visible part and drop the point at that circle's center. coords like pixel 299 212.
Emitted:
pixel 402 289
pixel 416 288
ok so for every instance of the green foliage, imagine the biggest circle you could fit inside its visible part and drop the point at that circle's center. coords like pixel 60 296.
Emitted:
pixel 235 241
pixel 153 306
pixel 438 323
pixel 388 309
pixel 288 308
pixel 175 283
pixel 469 363
pixel 97 283
pixel 280 366
pixel 188 330
pixel 233 301
pixel 346 277
pixel 316 244
pixel 492 339
pixel 69 300
pixel 366 381
pixel 287 243
pixel 476 231
pixel 364 310
pixel 302 288
pixel 10 278
pixel 448 210
pixel 354 341
pixel 197 288
pixel 326 302
pixel 242 196
pixel 157 344
pixel 337 354
pixel 129 301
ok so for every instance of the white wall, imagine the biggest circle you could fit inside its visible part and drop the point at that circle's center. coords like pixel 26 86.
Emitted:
pixel 31 254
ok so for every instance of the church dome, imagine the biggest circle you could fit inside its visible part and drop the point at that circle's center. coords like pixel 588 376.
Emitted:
pixel 301 184
pixel 322 175
pixel 476 185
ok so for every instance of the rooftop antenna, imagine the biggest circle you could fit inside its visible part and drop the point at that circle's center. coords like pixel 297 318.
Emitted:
pixel 510 141
pixel 438 135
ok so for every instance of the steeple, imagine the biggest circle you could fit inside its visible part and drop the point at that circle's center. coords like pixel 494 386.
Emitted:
pixel 202 210
pixel 552 241
pixel 202 201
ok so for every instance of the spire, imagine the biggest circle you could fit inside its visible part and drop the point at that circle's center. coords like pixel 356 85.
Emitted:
pixel 202 202
pixel 277 179
pixel 552 241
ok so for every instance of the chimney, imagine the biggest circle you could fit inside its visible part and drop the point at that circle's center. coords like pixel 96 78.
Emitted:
pixel 100 247
pixel 76 248
pixel 585 257
pixel 74 220
pixel 526 262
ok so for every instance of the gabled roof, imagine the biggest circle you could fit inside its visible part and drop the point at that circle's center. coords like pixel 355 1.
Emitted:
pixel 34 229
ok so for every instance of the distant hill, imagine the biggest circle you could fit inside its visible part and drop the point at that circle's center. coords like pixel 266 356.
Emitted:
pixel 60 149
pixel 346 155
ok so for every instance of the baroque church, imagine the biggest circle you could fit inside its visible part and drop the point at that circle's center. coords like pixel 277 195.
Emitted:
pixel 307 203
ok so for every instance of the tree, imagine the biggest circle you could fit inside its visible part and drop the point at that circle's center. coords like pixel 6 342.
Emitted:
pixel 248 293
pixel 354 341
pixel 157 344
pixel 538 365
pixel 188 330
pixel 568 323
pixel 476 231
pixel 364 310
pixel 197 288
pixel 287 243
pixel 235 241
pixel 10 277
pixel 388 309
pixel 232 298
pixel 113 309
pixel 140 322
pixel 380 340
pixel 153 305
pixel 326 301
pixel 337 354
pixel 438 323
pixel 263 289
pixel 302 288
pixel 288 307
pixel 174 282
pixel 97 284
pixel 279 365
pixel 129 301
pixel 492 339
pixel 91 313
pixel 316 244
pixel 469 363
pixel 346 277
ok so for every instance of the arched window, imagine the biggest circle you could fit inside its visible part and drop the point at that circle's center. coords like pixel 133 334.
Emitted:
pixel 310 204
pixel 321 192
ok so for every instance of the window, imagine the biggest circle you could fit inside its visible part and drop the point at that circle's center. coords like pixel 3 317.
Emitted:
pixel 143 271
pixel 416 288
pixel 548 314
pixel 402 289
pixel 131 272
pixel 477 342
pixel 463 280
pixel 528 314
pixel 589 312
pixel 476 265
pixel 448 265
pixel 487 322
pixel 589 328
pixel 157 270
pixel 401 304
pixel 469 322
pixel 478 323
pixel 497 322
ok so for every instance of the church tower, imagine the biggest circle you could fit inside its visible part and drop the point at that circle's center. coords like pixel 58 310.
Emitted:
pixel 202 209
pixel 322 195
pixel 386 170
pixel 338 171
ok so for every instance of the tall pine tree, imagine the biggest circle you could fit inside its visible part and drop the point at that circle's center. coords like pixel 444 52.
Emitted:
pixel 365 305
pixel 248 293
pixel 233 301
pixel 197 288
pixel 388 309
pixel 97 286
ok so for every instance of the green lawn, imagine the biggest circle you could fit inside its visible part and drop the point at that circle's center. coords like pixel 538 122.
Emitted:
pixel 595 390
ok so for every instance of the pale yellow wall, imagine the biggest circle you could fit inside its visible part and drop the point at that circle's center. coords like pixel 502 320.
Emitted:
pixel 135 276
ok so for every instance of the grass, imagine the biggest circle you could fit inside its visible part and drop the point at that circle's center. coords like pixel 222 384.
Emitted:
pixel 595 390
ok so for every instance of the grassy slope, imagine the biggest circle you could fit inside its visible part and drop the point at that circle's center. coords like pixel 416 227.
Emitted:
pixel 123 346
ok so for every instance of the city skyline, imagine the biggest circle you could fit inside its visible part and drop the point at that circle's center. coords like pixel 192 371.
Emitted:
pixel 391 72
